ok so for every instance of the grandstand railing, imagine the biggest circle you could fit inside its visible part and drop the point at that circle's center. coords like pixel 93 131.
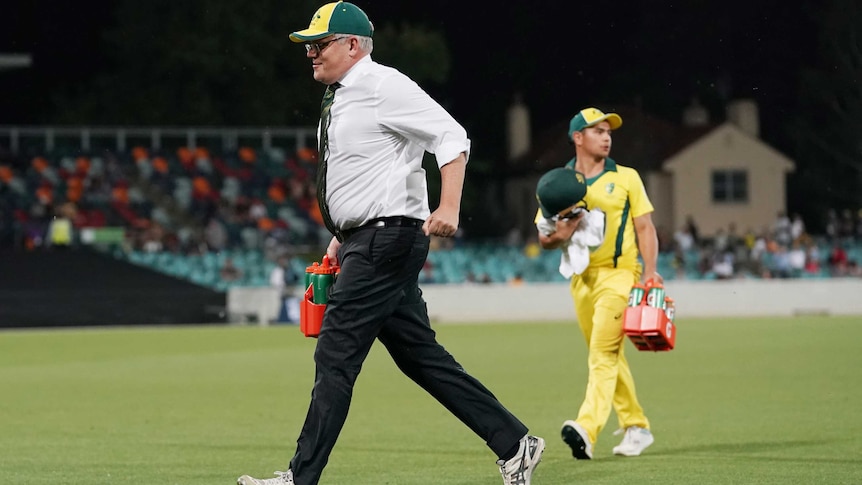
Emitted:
pixel 90 138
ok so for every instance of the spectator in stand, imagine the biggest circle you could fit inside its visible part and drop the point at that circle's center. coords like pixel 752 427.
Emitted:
pixel 82 166
pixel 152 236
pixel 6 174
pixel 707 256
pixel 247 155
pixel 215 235
pixel 257 209
pixel 74 189
pixel 276 191
pixel 532 249
pixel 797 227
pixel 734 240
pixel 812 258
pixel 780 267
pixel 229 272
pixel 781 230
pixel 427 273
pixel 736 245
pixel 161 176
pixel 684 239
pixel 204 198
pixel 286 281
pixel 759 248
pixel 45 193
pixel 722 265
pixel 720 241
pixel 692 229
pixel 838 260
pixel 186 158
pixel 60 232
pixel 749 238
pixel 796 259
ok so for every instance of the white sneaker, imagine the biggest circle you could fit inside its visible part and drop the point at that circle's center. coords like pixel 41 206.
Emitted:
pixel 635 441
pixel 519 468
pixel 281 478
pixel 578 440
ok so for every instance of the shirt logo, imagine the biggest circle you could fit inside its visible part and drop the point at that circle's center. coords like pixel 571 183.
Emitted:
pixel 609 188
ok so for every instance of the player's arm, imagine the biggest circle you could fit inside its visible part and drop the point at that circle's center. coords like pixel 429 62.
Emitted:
pixel 648 246
pixel 444 221
pixel 564 228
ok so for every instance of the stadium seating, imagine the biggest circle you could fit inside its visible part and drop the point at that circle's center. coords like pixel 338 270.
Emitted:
pixel 263 200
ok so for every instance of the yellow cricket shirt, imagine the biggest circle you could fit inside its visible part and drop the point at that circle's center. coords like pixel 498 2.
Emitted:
pixel 619 192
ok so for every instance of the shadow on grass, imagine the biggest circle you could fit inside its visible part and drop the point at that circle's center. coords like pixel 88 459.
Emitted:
pixel 754 450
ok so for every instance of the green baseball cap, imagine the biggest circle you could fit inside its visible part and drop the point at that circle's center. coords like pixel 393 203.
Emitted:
pixel 591 117
pixel 558 189
pixel 335 18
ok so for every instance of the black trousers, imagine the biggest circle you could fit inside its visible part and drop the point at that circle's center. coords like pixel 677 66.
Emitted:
pixel 376 295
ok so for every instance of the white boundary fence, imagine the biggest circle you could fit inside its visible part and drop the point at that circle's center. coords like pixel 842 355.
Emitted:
pixel 552 301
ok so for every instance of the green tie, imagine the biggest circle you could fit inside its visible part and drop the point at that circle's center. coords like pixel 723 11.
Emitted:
pixel 323 154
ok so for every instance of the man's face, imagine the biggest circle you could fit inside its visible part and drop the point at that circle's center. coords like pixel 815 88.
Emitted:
pixel 595 140
pixel 331 57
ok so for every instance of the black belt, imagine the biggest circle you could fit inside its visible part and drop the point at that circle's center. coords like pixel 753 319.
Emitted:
pixel 379 223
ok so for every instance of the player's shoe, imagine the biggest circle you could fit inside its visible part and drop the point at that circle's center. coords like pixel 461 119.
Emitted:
pixel 518 469
pixel 281 478
pixel 578 440
pixel 635 441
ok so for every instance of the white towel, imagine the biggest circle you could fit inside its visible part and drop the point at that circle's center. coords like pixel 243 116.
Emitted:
pixel 587 238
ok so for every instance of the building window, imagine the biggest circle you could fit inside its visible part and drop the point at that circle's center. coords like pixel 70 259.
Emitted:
pixel 729 186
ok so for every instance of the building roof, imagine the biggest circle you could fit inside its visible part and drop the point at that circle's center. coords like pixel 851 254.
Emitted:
pixel 643 142
pixel 696 151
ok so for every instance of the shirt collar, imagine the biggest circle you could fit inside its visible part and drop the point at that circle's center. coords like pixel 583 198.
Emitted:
pixel 355 71
pixel 610 166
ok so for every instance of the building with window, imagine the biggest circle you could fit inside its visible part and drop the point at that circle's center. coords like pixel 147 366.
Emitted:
pixel 717 173
pixel 728 176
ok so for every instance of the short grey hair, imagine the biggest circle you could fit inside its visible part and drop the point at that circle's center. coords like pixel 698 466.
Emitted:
pixel 366 44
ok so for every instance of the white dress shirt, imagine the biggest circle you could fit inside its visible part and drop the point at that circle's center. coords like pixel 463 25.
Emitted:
pixel 382 123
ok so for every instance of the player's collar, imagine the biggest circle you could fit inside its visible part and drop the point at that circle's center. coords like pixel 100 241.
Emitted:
pixel 610 166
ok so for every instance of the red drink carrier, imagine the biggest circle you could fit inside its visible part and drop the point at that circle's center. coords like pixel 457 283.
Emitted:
pixel 648 319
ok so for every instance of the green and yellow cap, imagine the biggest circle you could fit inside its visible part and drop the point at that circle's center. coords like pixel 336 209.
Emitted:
pixel 558 189
pixel 335 18
pixel 591 117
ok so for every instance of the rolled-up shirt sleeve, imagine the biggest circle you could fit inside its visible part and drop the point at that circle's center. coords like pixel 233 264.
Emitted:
pixel 412 113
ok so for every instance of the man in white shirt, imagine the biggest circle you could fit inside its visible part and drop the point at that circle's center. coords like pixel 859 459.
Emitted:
pixel 376 125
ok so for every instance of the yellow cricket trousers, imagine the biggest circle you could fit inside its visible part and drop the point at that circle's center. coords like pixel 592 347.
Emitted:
pixel 601 296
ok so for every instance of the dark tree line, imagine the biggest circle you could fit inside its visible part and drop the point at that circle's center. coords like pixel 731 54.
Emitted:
pixel 231 63
pixel 829 133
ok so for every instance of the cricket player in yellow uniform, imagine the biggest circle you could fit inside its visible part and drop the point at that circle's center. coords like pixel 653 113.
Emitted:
pixel 601 291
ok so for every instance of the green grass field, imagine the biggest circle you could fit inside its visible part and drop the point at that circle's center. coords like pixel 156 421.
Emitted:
pixel 738 401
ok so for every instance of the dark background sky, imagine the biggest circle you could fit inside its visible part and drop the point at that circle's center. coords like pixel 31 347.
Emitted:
pixel 561 55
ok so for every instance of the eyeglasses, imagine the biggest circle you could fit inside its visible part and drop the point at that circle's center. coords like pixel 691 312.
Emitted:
pixel 318 47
